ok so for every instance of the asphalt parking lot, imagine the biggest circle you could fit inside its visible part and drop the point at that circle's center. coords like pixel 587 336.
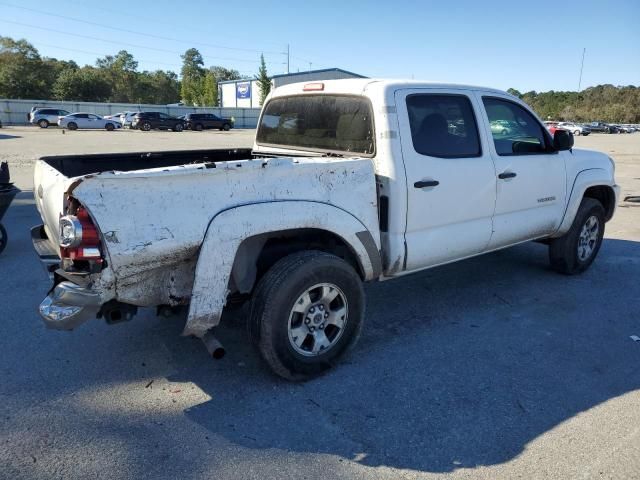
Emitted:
pixel 495 367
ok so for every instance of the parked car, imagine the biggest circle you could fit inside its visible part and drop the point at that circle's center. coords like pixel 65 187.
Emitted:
pixel 600 127
pixel 84 120
pixel 501 127
pixel 625 128
pixel 552 127
pixel 575 128
pixel 126 118
pixel 115 116
pixel 47 116
pixel 330 204
pixel 201 121
pixel 156 120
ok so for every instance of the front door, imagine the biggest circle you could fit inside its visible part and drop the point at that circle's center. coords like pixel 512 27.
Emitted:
pixel 531 174
pixel 451 179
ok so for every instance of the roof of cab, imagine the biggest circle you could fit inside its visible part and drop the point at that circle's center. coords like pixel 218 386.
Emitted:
pixel 357 86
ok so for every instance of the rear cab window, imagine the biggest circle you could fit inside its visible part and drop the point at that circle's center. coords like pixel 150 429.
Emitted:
pixel 325 123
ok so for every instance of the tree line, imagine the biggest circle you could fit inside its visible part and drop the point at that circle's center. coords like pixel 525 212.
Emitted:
pixel 605 103
pixel 25 74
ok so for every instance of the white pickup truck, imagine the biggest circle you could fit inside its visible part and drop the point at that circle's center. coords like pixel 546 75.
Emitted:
pixel 348 181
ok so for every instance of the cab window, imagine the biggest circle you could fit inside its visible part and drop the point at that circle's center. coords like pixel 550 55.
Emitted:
pixel 515 131
pixel 443 126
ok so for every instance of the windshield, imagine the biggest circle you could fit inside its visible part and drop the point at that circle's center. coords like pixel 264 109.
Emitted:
pixel 329 123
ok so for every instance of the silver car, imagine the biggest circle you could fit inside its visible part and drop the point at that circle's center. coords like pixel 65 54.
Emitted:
pixel 47 116
pixel 575 128
pixel 88 120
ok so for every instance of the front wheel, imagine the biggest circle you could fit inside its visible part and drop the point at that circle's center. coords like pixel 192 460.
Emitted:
pixel 3 238
pixel 306 312
pixel 178 127
pixel 226 127
pixel 575 251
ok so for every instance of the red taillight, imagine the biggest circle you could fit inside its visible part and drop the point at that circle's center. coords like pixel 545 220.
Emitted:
pixel 88 248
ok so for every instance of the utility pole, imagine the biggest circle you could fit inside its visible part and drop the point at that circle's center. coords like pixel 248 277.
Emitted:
pixel 288 56
pixel 581 67
pixel 309 66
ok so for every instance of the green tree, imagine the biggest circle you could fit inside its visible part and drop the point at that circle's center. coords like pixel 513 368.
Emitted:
pixel 192 77
pixel 85 84
pixel 23 74
pixel 160 87
pixel 209 96
pixel 264 82
pixel 121 71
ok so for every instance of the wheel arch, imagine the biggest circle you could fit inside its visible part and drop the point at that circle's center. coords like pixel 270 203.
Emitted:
pixel 592 183
pixel 238 238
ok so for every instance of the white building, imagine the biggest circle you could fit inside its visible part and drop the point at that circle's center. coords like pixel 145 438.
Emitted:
pixel 246 93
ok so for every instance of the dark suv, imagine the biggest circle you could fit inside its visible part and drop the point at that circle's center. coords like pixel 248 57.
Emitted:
pixel 200 121
pixel 157 120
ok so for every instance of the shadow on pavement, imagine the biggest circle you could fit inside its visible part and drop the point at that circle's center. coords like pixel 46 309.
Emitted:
pixel 460 366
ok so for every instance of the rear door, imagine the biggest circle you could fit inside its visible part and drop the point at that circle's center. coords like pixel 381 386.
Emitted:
pixel 451 179
pixel 215 122
pixel 531 183
pixel 82 120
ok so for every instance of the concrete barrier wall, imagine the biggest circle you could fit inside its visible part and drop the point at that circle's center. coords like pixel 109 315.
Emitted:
pixel 14 112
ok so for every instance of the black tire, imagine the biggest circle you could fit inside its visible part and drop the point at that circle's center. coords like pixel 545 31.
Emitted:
pixel 178 127
pixel 3 238
pixel 272 308
pixel 43 123
pixel 198 127
pixel 564 253
pixel 146 126
pixel 226 127
pixel 72 126
pixel 109 127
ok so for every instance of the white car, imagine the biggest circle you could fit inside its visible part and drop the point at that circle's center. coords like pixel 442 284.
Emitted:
pixel 575 128
pixel 126 118
pixel 348 181
pixel 115 116
pixel 88 120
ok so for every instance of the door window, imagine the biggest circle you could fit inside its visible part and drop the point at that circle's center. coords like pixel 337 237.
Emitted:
pixel 515 131
pixel 443 126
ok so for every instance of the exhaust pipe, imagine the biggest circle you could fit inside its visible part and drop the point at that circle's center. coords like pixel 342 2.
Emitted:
pixel 214 347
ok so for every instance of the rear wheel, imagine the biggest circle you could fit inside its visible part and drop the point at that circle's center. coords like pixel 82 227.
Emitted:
pixel 146 126
pixel 226 127
pixel 43 123
pixel 3 238
pixel 72 126
pixel 109 127
pixel 306 312
pixel 575 251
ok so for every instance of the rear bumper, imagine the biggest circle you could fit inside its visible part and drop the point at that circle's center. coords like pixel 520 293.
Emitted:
pixel 68 305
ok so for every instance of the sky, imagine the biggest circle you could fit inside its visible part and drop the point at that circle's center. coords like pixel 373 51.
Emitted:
pixel 534 45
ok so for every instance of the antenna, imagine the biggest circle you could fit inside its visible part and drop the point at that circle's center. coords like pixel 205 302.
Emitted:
pixel 581 67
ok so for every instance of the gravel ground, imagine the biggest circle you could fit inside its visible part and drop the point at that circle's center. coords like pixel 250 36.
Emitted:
pixel 491 368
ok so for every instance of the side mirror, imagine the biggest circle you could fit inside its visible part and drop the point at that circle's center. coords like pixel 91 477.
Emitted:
pixel 562 140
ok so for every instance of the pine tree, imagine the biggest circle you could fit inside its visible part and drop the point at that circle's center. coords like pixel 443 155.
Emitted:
pixel 264 82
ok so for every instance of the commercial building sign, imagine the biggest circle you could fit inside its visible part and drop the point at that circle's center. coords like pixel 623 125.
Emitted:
pixel 243 90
